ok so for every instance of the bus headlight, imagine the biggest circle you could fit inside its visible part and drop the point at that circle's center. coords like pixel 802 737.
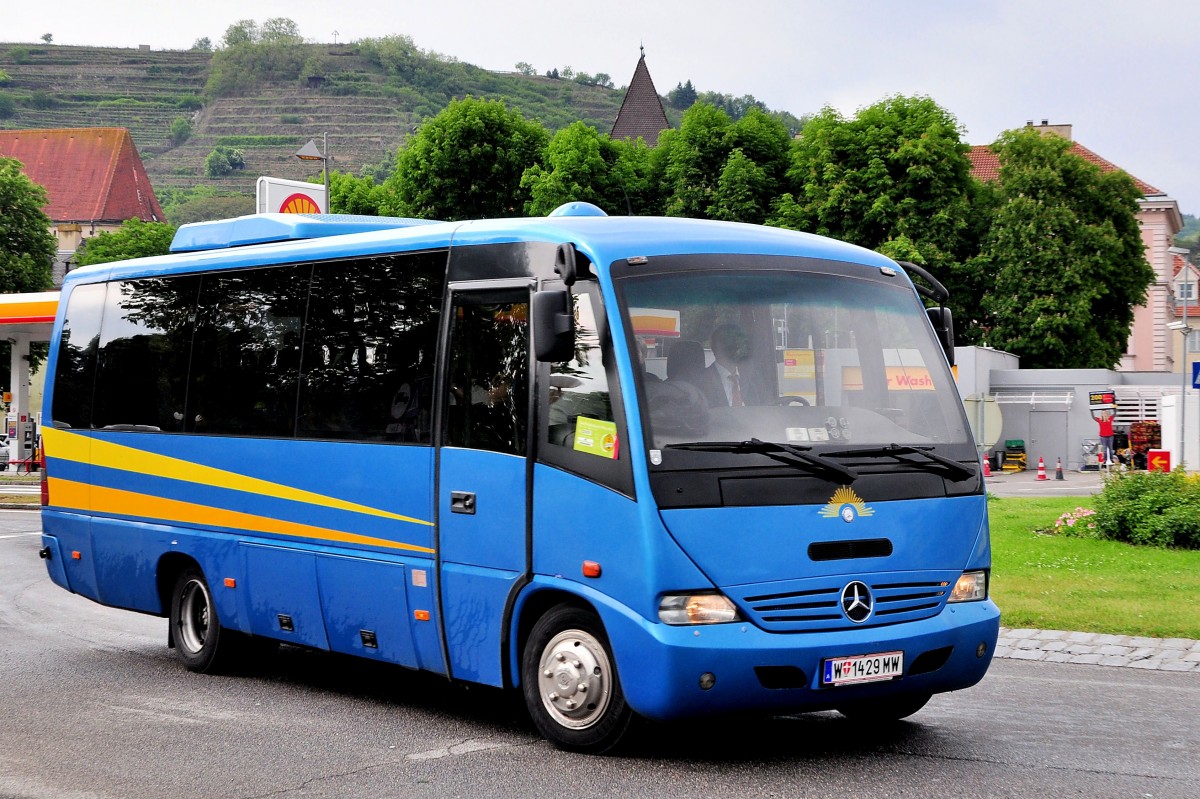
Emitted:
pixel 971 587
pixel 696 609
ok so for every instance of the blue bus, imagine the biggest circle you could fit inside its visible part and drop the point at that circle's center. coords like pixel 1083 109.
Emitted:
pixel 631 467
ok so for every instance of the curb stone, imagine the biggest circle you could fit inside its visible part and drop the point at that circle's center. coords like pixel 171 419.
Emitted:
pixel 1122 651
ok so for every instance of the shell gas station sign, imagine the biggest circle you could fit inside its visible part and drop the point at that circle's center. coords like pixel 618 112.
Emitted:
pixel 279 196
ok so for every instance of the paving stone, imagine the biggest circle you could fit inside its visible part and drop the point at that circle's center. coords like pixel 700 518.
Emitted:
pixel 1114 649
pixel 1178 665
pixel 1088 659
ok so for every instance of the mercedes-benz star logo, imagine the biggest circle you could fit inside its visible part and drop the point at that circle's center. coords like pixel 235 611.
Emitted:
pixel 856 602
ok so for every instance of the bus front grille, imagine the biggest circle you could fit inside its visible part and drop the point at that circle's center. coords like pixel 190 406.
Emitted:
pixel 815 604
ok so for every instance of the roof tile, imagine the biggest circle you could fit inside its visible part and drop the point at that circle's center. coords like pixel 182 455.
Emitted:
pixel 90 174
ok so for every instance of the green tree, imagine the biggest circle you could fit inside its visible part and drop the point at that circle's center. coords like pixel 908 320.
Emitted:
pixel 585 165
pixel 1067 256
pixel 181 130
pixel 898 169
pixel 525 68
pixel 466 163
pixel 47 37
pixel 682 96
pixel 244 31
pixel 739 191
pixel 135 239
pixel 223 161
pixel 280 30
pixel 203 45
pixel 350 194
pixel 692 159
pixel 27 247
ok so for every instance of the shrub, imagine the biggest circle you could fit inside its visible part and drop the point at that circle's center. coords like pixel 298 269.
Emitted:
pixel 223 160
pixel 8 105
pixel 181 130
pixel 1150 508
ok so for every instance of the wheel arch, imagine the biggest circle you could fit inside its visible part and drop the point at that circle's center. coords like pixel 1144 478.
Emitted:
pixel 170 566
pixel 532 607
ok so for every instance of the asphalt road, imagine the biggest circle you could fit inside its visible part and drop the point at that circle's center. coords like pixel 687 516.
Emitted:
pixel 92 706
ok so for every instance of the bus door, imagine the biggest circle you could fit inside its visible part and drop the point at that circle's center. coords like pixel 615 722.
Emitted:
pixel 482 474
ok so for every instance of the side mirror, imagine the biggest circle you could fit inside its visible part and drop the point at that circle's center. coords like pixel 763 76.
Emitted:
pixel 553 326
pixel 943 327
pixel 564 263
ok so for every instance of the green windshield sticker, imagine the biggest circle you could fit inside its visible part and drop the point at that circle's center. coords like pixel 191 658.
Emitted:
pixel 596 437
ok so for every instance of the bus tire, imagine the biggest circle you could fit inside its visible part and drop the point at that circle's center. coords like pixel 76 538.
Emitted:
pixel 201 644
pixel 569 679
pixel 885 710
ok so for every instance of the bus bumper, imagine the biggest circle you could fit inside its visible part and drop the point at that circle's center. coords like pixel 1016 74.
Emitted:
pixel 678 672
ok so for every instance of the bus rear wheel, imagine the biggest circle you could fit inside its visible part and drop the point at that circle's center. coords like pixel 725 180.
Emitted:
pixel 569 679
pixel 195 627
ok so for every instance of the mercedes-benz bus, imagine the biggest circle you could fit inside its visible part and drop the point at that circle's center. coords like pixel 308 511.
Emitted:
pixel 631 467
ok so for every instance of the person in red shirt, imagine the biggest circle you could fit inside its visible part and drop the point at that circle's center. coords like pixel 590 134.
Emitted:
pixel 1105 420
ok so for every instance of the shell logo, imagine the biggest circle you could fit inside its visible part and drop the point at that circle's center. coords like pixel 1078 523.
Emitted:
pixel 299 204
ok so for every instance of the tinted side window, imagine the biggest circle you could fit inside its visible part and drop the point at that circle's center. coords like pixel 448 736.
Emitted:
pixel 246 357
pixel 75 371
pixel 143 355
pixel 489 376
pixel 369 345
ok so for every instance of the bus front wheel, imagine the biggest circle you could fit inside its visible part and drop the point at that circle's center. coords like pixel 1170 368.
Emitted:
pixel 569 679
pixel 195 628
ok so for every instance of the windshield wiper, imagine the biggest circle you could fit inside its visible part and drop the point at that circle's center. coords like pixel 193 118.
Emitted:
pixel 784 453
pixel 905 449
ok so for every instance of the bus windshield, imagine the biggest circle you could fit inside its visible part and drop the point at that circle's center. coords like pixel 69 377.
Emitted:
pixel 813 360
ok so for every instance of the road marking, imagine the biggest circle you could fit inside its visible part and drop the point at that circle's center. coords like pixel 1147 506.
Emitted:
pixel 20 535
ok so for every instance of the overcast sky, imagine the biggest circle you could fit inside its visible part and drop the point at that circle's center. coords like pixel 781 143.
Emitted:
pixel 1124 73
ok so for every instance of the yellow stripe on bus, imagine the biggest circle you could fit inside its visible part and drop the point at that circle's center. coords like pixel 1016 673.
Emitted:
pixel 117 502
pixel 84 449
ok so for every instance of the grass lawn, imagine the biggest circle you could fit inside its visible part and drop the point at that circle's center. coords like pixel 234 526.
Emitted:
pixel 1058 582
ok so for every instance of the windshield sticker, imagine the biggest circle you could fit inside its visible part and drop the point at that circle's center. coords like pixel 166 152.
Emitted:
pixel 596 437
pixel 797 434
pixel 844 499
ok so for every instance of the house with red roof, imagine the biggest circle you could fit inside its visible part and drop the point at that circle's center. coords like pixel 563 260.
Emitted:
pixel 1151 346
pixel 94 178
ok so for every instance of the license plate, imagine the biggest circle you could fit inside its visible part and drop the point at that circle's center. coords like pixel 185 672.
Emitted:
pixel 862 668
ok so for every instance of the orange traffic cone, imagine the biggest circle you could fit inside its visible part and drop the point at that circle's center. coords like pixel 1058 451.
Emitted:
pixel 1042 470
pixel 987 467
pixel 1058 475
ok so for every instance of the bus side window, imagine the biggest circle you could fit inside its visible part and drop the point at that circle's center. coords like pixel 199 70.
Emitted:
pixel 581 421
pixel 487 406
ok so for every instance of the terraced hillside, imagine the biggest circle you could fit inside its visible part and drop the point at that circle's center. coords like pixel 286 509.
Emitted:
pixel 365 113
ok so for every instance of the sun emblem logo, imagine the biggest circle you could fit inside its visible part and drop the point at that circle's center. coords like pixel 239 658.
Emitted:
pixel 847 504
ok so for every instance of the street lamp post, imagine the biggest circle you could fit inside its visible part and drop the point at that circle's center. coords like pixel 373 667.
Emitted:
pixel 309 152
pixel 1186 330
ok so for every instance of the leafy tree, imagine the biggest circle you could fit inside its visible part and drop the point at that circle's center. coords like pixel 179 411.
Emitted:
pixel 280 30
pixel 203 45
pixel 8 106
pixel 349 194
pixel 223 161
pixel 465 163
pixel 1066 254
pixel 47 37
pixel 27 247
pixel 244 31
pixel 5 78
pixel 181 130
pixel 692 160
pixel 585 165
pixel 897 170
pixel 135 239
pixel 525 68
pixel 739 191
